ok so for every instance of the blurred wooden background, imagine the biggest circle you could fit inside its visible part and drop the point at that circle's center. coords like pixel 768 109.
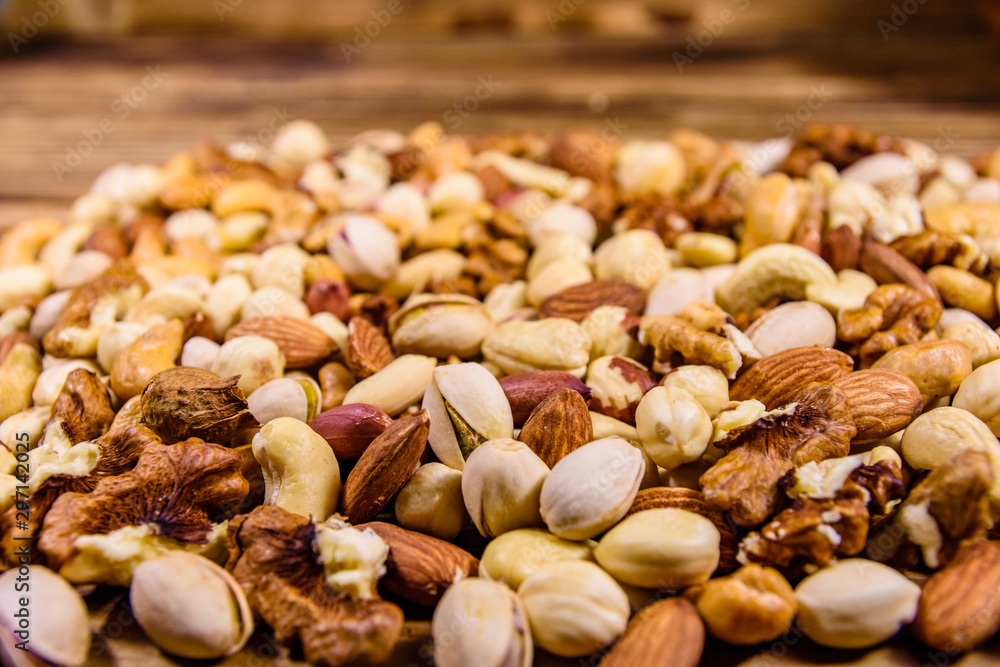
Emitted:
pixel 88 83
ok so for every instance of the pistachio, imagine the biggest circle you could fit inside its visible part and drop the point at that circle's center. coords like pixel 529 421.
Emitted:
pixel 365 250
pixel 660 547
pixel 60 626
pixel 591 488
pixel 255 359
pixel 440 325
pixel 574 607
pixel 467 407
pixel 190 607
pixel 481 622
pixel 510 558
pixel 501 484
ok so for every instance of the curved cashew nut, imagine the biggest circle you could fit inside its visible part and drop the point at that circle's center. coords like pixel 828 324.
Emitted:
pixel 301 473
pixel 777 269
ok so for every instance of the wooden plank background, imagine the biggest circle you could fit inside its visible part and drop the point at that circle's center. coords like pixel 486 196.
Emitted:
pixel 936 78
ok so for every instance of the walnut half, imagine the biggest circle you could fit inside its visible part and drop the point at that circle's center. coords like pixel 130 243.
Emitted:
pixel 273 555
pixel 744 482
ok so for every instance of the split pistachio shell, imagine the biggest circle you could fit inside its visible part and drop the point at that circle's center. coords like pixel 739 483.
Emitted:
pixel 510 558
pixel 257 360
pixel 574 607
pixel 59 630
pixel 440 325
pixel 501 483
pixel 365 249
pixel 397 386
pixel 481 622
pixel 554 343
pixel 591 488
pixel 190 607
pixel 855 603
pixel 467 407
pixel 660 547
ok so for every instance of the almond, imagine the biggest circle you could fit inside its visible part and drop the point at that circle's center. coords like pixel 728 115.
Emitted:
pixel 302 343
pixel 777 379
pixel 666 632
pixel 693 501
pixel 368 350
pixel 560 424
pixel 880 401
pixel 960 608
pixel 576 302
pixel 886 266
pixel 384 467
pixel 525 391
pixel 421 567
pixel 350 429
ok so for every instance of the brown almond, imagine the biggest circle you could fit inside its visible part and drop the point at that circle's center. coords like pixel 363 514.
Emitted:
pixel 368 350
pixel 384 467
pixel 303 343
pixel 668 632
pixel 560 424
pixel 691 500
pixel 880 401
pixel 420 567
pixel 576 302
pixel 886 266
pixel 525 391
pixel 959 608
pixel 350 429
pixel 841 248
pixel 776 380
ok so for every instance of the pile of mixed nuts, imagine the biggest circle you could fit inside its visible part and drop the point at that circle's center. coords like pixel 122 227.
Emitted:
pixel 659 387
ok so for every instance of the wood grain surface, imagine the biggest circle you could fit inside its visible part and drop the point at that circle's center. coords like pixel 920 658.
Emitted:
pixel 69 111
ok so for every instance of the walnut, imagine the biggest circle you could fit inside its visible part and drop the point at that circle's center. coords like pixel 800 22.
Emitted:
pixel 91 307
pixel 840 145
pixel 272 554
pixel 893 315
pixel 84 406
pixel 676 342
pixel 186 402
pixel 658 213
pixel 815 530
pixel 496 252
pixel 744 482
pixel 930 248
pixel 119 452
pixel 164 502
pixel 949 508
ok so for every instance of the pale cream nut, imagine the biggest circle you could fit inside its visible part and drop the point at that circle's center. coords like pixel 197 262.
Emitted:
pixel 660 547
pixel 397 386
pixel 674 428
pixel 510 558
pixel 855 603
pixel 706 385
pixel 501 484
pixel 431 502
pixel 574 607
pixel 481 622
pixel 591 488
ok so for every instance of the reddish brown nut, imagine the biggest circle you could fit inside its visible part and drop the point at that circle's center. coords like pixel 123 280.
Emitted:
pixel 349 429
pixel 328 296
